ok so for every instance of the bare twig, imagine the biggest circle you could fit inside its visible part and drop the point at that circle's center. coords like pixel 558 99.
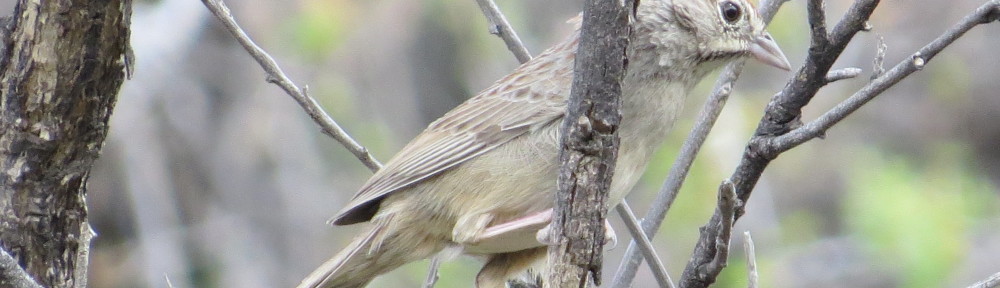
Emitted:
pixel 655 264
pixel 841 74
pixel 678 172
pixel 903 69
pixel 500 27
pixel 432 275
pixel 752 276
pixel 994 280
pixel 277 76
pixel 727 208
pixel 878 64
pixel 12 275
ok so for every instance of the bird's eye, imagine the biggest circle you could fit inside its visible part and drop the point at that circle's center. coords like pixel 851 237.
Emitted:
pixel 730 11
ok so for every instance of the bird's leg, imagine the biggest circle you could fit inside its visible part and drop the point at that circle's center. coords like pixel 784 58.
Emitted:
pixel 532 222
pixel 610 238
pixel 469 228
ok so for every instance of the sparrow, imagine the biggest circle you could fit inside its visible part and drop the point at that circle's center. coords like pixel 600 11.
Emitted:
pixel 482 177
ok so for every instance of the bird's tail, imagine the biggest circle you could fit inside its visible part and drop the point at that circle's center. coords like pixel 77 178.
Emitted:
pixel 376 252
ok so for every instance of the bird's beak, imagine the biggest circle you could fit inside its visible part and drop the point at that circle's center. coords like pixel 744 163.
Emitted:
pixel 765 50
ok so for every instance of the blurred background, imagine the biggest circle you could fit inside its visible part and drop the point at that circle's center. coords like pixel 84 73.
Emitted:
pixel 214 178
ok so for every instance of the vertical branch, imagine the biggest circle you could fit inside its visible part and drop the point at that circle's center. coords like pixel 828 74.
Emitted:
pixel 59 79
pixel 589 145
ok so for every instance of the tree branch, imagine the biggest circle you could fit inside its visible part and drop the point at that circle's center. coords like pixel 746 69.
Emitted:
pixel 589 145
pixel 277 76
pixel 990 282
pixel 782 113
pixel 655 264
pixel 984 14
pixel 500 27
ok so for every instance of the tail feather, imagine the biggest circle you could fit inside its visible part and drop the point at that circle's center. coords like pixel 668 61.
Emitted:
pixel 342 271
pixel 378 251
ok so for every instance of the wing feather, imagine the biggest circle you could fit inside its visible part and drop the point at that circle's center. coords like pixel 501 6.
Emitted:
pixel 534 95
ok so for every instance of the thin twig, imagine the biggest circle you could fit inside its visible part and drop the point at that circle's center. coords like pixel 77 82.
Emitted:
pixel 500 27
pixel 841 74
pixel 878 64
pixel 277 76
pixel 678 172
pixel 727 208
pixel 994 280
pixel 432 275
pixel 12 274
pixel 903 69
pixel 655 264
pixel 752 276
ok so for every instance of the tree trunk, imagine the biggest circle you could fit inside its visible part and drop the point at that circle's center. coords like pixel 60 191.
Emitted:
pixel 62 63
pixel 589 146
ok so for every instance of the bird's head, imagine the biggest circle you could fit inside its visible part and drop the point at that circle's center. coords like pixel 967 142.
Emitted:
pixel 705 32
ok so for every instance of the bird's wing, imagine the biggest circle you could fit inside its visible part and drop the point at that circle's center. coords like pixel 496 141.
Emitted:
pixel 534 95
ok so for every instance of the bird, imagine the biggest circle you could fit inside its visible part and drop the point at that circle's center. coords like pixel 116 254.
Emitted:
pixel 481 179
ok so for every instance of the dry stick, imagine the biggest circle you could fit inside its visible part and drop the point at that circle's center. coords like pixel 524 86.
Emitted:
pixel 500 27
pixel 678 172
pixel 277 76
pixel 432 275
pixel 752 276
pixel 841 74
pixel 990 282
pixel 655 264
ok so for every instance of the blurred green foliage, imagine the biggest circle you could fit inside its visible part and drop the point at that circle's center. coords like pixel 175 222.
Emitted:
pixel 917 214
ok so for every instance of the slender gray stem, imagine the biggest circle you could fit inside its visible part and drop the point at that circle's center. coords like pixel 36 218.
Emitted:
pixel 277 76
pixel 990 282
pixel 752 276
pixel 432 275
pixel 500 27
pixel 655 264
pixel 841 74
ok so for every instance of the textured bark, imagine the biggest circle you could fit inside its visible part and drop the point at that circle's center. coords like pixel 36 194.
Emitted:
pixel 589 146
pixel 62 65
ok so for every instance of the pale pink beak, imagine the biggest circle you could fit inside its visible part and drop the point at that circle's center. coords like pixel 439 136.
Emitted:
pixel 766 51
